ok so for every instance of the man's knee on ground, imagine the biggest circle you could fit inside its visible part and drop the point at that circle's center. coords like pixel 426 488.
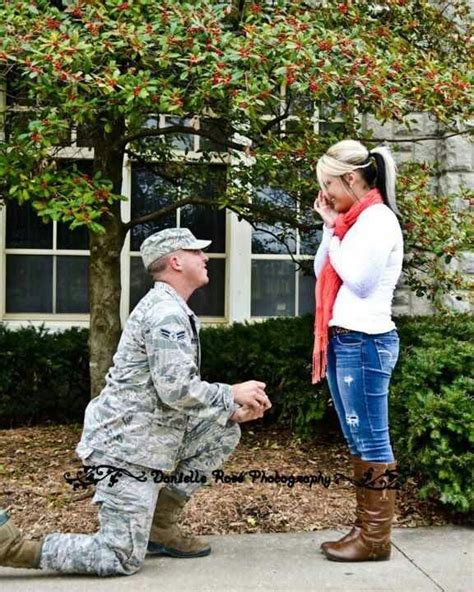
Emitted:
pixel 128 555
pixel 122 565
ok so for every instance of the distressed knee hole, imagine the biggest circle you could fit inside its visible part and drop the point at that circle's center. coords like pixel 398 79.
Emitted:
pixel 352 420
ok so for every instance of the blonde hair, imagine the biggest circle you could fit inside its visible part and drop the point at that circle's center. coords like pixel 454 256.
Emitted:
pixel 376 166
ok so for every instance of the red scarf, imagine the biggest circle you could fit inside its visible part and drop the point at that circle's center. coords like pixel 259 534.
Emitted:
pixel 328 284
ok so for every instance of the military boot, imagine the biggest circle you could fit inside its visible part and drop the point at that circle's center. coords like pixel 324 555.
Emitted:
pixel 354 532
pixel 373 541
pixel 165 536
pixel 15 550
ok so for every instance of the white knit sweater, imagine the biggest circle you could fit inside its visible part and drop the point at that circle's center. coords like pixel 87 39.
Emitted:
pixel 369 261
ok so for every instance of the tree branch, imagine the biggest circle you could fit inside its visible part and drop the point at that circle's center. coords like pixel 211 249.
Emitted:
pixel 182 129
pixel 153 166
pixel 421 139
pixel 266 128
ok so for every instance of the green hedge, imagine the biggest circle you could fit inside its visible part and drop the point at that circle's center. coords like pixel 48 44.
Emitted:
pixel 278 352
pixel 432 407
pixel 44 377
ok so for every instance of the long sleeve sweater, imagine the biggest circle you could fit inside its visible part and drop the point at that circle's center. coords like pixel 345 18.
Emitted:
pixel 369 261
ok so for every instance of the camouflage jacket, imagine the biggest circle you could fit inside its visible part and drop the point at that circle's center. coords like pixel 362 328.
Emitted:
pixel 154 387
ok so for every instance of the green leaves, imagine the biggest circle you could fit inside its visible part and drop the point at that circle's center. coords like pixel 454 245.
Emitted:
pixel 261 71
pixel 431 407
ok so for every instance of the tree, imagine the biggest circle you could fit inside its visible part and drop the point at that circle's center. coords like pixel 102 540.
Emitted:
pixel 250 72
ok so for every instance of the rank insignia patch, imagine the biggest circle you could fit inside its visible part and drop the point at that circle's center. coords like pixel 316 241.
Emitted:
pixel 173 335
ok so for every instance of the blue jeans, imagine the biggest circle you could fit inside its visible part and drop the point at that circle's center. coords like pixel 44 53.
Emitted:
pixel 359 370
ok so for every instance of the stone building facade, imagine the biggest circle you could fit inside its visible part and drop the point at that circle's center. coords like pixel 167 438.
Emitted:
pixel 455 156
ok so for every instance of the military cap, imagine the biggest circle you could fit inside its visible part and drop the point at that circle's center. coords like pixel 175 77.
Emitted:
pixel 167 241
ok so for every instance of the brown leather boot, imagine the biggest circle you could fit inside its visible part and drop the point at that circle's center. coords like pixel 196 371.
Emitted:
pixel 15 550
pixel 165 535
pixel 373 540
pixel 354 532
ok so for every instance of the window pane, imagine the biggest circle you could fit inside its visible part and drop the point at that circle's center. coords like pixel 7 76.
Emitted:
pixel 72 284
pixel 29 283
pixel 149 193
pixel 306 293
pixel 140 281
pixel 25 230
pixel 309 242
pixel 217 129
pixel 205 181
pixel 273 288
pixel 180 141
pixel 209 301
pixel 206 224
pixel 263 242
pixel 76 239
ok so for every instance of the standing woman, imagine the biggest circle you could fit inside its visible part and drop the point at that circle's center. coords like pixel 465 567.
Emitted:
pixel 357 267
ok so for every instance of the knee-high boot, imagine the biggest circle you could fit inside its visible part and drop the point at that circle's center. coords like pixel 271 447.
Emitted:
pixel 354 532
pixel 373 541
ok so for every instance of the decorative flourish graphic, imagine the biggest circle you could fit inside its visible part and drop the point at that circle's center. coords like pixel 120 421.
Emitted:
pixel 91 475
pixel 386 480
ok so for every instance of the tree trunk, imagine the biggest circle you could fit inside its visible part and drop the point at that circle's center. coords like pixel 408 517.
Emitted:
pixel 104 265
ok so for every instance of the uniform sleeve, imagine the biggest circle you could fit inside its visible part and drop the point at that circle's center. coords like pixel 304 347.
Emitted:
pixel 360 258
pixel 175 375
pixel 323 250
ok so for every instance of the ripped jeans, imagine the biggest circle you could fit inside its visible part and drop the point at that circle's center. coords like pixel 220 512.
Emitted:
pixel 359 370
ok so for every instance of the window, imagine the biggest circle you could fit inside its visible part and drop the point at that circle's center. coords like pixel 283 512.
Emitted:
pixel 149 193
pixel 280 287
pixel 46 264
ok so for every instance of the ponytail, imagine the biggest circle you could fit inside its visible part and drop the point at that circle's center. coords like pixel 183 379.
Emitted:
pixel 377 167
pixel 385 176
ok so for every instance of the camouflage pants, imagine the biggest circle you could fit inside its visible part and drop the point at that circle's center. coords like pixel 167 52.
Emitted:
pixel 127 507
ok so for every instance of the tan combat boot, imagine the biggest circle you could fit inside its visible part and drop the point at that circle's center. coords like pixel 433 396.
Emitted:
pixel 354 532
pixel 165 535
pixel 373 541
pixel 15 550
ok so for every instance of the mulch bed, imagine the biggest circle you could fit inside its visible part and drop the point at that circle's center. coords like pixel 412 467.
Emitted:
pixel 32 487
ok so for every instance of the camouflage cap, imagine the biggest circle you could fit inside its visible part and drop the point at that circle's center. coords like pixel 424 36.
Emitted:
pixel 167 241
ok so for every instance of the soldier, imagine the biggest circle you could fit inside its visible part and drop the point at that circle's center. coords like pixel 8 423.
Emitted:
pixel 154 415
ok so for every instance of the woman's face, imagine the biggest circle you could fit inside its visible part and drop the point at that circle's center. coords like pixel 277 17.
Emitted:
pixel 338 194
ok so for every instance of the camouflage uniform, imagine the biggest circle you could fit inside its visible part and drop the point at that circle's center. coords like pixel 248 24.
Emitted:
pixel 155 412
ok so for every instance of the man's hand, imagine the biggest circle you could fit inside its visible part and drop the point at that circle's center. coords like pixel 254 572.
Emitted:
pixel 246 413
pixel 251 394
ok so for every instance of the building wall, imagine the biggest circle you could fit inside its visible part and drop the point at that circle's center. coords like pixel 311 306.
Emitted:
pixel 456 157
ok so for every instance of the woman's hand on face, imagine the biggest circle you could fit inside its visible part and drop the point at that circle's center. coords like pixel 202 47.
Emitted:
pixel 324 208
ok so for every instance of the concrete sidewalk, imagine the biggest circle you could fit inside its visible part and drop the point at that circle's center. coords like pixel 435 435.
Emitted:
pixel 423 559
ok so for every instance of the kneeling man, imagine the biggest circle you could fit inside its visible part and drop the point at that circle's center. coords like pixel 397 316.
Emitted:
pixel 154 416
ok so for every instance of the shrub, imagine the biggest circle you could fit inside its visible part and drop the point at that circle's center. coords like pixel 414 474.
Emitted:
pixel 43 376
pixel 277 352
pixel 431 407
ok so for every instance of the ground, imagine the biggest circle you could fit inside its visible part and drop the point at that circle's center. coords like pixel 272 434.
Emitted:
pixel 33 489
